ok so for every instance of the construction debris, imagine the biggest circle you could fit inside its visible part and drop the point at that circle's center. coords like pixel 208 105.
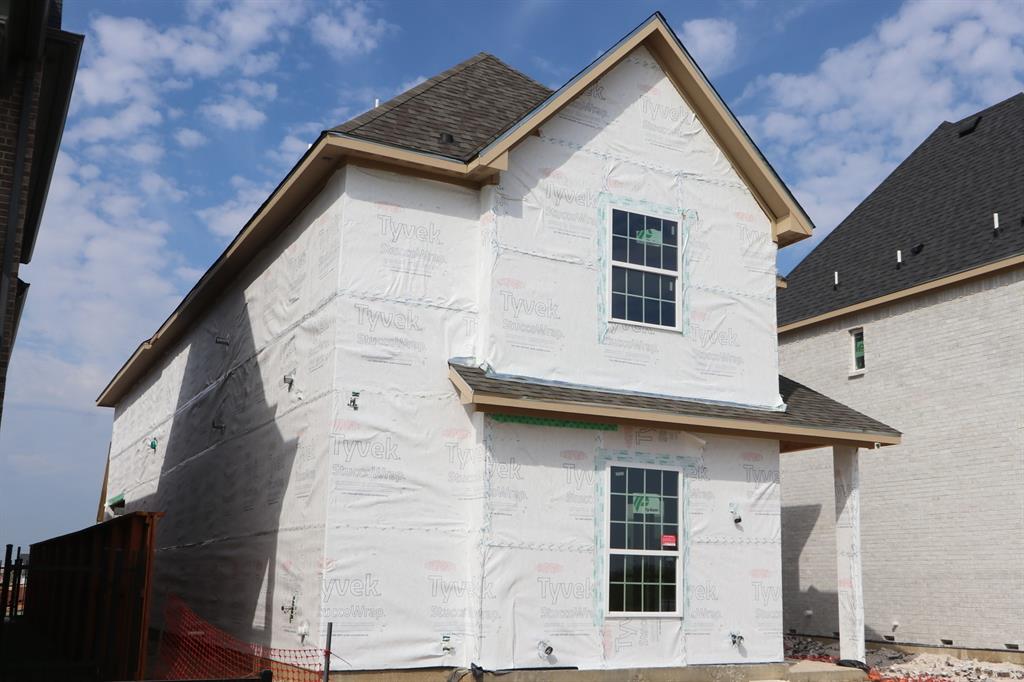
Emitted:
pixel 889 664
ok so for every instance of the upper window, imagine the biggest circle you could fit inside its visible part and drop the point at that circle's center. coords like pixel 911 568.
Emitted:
pixel 645 269
pixel 857 336
pixel 643 547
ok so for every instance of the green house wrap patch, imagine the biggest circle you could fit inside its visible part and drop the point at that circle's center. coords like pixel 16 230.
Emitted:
pixel 560 423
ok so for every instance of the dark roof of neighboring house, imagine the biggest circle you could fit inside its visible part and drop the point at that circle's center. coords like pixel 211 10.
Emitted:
pixel 941 197
pixel 474 102
pixel 804 407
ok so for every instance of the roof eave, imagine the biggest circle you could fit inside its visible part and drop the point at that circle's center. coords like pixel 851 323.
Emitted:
pixel 801 437
pixel 790 223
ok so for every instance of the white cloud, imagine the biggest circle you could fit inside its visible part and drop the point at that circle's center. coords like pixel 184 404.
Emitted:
pixel 348 30
pixel 234 113
pixel 255 65
pixel 712 42
pixel 131 63
pixel 251 88
pixel 290 150
pixel 410 84
pixel 159 187
pixel 226 219
pixel 100 283
pixel 189 138
pixel 123 123
pixel 144 152
pixel 842 127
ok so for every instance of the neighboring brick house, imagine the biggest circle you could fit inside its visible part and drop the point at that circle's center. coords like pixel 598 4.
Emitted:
pixel 38 63
pixel 925 330
pixel 491 377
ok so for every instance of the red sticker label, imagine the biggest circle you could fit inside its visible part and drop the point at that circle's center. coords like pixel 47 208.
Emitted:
pixel 668 540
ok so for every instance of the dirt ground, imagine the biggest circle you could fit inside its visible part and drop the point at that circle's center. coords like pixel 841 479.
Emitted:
pixel 895 664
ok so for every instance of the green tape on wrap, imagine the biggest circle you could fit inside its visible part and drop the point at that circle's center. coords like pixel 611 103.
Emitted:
pixel 545 421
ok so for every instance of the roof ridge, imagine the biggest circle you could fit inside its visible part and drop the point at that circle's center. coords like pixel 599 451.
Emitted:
pixel 401 98
pixel 987 109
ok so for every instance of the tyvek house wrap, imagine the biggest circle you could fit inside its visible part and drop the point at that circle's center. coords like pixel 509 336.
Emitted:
pixel 430 535
pixel 240 459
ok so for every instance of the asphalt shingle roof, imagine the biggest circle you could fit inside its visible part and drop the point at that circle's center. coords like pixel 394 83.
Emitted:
pixel 804 407
pixel 474 102
pixel 941 197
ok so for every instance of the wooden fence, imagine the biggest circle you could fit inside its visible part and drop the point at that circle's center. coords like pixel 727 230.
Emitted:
pixel 85 614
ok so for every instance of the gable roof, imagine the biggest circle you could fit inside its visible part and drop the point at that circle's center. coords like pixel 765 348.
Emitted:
pixel 810 419
pixel 474 102
pixel 940 198
pixel 400 136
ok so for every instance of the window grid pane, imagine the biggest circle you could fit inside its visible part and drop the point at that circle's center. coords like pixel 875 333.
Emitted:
pixel 641 296
pixel 645 240
pixel 647 585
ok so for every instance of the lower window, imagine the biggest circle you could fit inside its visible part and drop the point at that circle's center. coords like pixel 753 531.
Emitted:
pixel 643 547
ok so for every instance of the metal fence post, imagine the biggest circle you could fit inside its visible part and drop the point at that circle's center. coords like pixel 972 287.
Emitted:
pixel 327 652
pixel 4 571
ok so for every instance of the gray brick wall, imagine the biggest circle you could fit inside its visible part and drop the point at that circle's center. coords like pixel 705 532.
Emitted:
pixel 943 513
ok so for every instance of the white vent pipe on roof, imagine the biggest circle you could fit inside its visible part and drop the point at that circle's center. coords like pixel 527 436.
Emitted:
pixel 835 278
pixel 899 257
pixel 995 221
pixel 376 102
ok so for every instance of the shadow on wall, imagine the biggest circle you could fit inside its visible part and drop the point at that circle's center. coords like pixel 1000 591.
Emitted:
pixel 811 611
pixel 225 470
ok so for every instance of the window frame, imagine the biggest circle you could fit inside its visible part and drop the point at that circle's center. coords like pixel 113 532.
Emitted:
pixel 854 370
pixel 678 274
pixel 609 550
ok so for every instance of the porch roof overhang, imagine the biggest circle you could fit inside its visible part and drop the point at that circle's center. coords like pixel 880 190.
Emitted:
pixel 810 419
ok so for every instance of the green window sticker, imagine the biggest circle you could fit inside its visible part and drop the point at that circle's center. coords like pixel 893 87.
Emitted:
pixel 646 504
pixel 649 235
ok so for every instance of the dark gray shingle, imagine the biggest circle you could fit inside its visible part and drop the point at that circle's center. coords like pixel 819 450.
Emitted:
pixel 474 102
pixel 942 196
pixel 805 408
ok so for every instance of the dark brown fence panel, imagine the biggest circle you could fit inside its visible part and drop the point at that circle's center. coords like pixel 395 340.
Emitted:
pixel 87 603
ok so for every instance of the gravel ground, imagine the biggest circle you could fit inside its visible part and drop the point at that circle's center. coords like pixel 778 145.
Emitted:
pixel 896 664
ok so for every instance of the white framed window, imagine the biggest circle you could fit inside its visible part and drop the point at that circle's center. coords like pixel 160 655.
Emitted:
pixel 644 269
pixel 643 554
pixel 858 361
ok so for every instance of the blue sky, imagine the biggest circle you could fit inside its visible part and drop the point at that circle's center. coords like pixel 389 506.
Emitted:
pixel 186 114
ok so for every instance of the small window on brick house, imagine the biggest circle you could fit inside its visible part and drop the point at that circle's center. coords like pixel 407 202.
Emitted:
pixel 857 347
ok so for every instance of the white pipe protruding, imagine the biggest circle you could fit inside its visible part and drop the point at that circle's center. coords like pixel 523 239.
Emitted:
pixel 899 257
pixel 835 278
pixel 995 221
pixel 376 102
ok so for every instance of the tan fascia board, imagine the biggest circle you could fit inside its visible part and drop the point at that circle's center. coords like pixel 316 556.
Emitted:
pixel 357 148
pixel 781 282
pixel 956 278
pixel 486 402
pixel 789 222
